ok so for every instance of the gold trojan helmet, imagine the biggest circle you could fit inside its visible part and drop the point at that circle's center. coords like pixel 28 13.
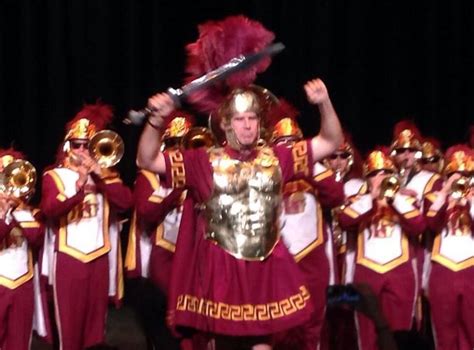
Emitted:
pixel 460 159
pixel 198 137
pixel 105 146
pixel 254 99
pixel 176 125
pixel 283 118
pixel 377 161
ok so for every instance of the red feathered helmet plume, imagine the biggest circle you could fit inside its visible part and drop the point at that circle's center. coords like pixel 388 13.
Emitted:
pixel 282 121
pixel 89 120
pixel 406 135
pixel 218 43
pixel 459 158
pixel 7 156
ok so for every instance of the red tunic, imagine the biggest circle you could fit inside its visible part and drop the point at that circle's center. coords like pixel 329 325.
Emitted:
pixel 211 290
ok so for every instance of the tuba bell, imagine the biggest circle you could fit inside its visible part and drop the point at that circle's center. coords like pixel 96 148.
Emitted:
pixel 18 179
pixel 389 187
pixel 107 148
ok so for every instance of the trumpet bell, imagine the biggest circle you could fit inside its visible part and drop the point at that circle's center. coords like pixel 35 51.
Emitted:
pixel 389 187
pixel 107 148
pixel 18 178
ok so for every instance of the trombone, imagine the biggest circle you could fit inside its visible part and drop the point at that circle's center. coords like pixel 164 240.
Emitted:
pixel 107 148
pixel 18 179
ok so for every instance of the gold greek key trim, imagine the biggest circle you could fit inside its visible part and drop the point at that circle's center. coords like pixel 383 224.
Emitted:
pixel 300 158
pixel 178 173
pixel 244 312
pixel 12 284
pixel 445 261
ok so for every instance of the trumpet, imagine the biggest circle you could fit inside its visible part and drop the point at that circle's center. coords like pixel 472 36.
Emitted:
pixel 461 187
pixel 18 179
pixel 389 187
pixel 107 148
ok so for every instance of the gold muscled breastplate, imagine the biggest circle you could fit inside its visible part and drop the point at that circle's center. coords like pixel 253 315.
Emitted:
pixel 243 209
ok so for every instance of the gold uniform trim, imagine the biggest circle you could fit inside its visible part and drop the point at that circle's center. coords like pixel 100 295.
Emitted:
pixel 319 239
pixel 29 224
pixel 411 214
pixel 160 240
pixel 12 284
pixel 155 199
pixel 381 268
pixel 325 174
pixel 430 183
pixel 59 185
pixel 152 179
pixel 300 158
pixel 244 312
pixel 431 213
pixel 113 181
pixel 351 212
pixel 131 256
pixel 85 258
pixel 445 261
pixel 178 174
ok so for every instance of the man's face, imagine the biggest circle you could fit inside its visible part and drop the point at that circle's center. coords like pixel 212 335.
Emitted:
pixel 431 164
pixel 405 157
pixel 79 149
pixel 246 127
pixel 339 161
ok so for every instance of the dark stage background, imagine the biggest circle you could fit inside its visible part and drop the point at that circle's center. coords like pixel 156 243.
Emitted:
pixel 381 60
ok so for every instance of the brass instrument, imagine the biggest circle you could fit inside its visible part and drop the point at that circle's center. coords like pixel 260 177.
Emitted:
pixel 107 148
pixel 18 179
pixel 198 137
pixel 389 187
pixel 461 187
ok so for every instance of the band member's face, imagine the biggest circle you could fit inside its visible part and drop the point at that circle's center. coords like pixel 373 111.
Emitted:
pixel 79 149
pixel 339 161
pixel 432 164
pixel 375 178
pixel 405 157
pixel 246 127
